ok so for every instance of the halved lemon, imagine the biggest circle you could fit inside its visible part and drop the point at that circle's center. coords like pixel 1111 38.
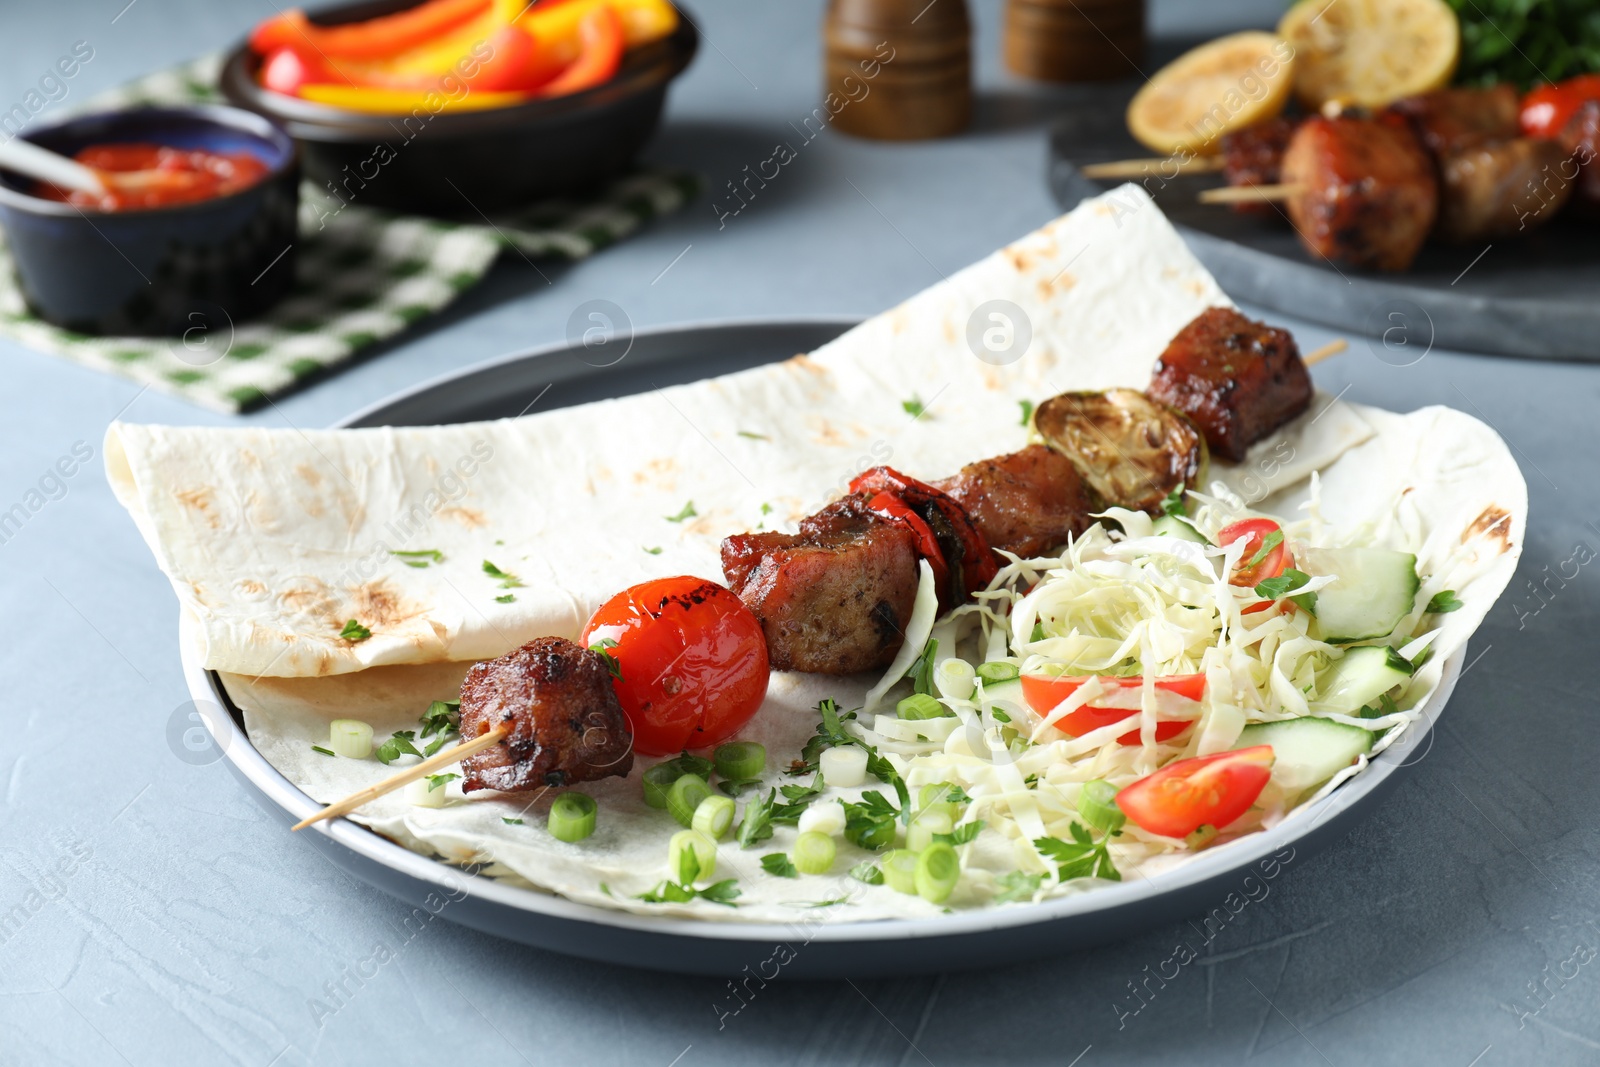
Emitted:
pixel 1224 85
pixel 1370 52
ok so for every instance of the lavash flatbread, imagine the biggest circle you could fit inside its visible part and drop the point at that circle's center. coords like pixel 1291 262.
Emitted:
pixel 267 535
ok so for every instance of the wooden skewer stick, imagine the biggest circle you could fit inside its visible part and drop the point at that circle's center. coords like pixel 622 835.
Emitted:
pixel 1332 348
pixel 410 774
pixel 1250 194
pixel 1138 168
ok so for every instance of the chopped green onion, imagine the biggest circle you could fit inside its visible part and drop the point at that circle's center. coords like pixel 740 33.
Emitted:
pixel 814 853
pixel 823 818
pixel 350 738
pixel 940 796
pixel 845 765
pixel 324 751
pixel 423 794
pixel 1097 803
pixel 740 760
pixel 921 706
pixel 998 671
pixel 713 817
pixel 691 855
pixel 657 782
pixel 868 872
pixel 937 872
pixel 509 821
pixel 899 868
pixel 685 796
pixel 572 816
pixel 919 835
pixel 954 678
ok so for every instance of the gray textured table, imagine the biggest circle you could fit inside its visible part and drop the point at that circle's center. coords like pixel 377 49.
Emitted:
pixel 150 914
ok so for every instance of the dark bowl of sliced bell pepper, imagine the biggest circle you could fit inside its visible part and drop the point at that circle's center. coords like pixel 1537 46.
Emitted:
pixel 464 108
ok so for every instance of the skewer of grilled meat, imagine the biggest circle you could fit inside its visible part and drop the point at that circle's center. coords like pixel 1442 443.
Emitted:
pixel 1580 168
pixel 566 723
pixel 836 596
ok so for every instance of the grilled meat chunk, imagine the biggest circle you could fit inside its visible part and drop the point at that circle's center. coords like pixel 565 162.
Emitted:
pixel 1368 193
pixel 1499 188
pixel 834 598
pixel 1581 167
pixel 1254 156
pixel 1236 379
pixel 1026 502
pixel 567 725
pixel 1449 120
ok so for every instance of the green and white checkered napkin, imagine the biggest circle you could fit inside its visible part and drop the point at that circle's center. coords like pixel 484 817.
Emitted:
pixel 363 274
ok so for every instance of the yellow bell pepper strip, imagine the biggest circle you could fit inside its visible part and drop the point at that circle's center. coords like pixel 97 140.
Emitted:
pixel 371 39
pixel 604 41
pixel 404 101
pixel 556 25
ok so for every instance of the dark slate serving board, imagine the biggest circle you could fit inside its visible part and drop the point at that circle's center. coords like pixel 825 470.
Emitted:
pixel 1535 295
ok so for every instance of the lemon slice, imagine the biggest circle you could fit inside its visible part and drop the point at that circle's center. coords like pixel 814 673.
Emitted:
pixel 1223 85
pixel 1370 52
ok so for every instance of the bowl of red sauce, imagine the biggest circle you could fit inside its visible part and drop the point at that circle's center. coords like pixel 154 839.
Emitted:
pixel 197 228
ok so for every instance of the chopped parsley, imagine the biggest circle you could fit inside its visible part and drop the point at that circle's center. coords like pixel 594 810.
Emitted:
pixel 420 558
pixel 766 509
pixel 1268 543
pixel 510 821
pixel 921 672
pixel 602 648
pixel 656 551
pixel 998 715
pixel 736 786
pixel 1173 504
pixel 439 781
pixel 507 581
pixel 1286 583
pixel 760 816
pixel 1444 603
pixel 682 891
pixel 828 903
pixel 869 823
pixel 1038 633
pixel 961 834
pixel 506 598
pixel 1081 857
pixel 400 744
pixel 868 872
pixel 324 751
pixel 1027 411
pixel 442 716
pixel 754 436
pixel 1385 706
pixel 354 631
pixel 778 863
pixel 687 512
pixel 1016 885
pixel 914 407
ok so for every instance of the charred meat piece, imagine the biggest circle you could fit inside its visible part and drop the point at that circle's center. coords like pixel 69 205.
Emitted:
pixel 1237 379
pixel 1368 193
pixel 567 725
pixel 1253 156
pixel 1499 188
pixel 959 554
pixel 834 598
pixel 1131 451
pixel 1449 120
pixel 1026 502
pixel 1581 166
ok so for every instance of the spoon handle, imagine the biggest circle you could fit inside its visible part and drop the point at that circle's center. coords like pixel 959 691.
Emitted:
pixel 25 157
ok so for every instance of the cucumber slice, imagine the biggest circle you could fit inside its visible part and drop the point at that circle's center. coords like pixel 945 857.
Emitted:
pixel 1364 674
pixel 1308 750
pixel 1374 589
pixel 1172 526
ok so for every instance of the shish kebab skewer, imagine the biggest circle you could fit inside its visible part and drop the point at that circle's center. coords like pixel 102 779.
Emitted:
pixel 547 714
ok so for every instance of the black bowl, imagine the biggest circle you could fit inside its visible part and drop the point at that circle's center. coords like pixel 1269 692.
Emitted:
pixel 461 164
pixel 160 271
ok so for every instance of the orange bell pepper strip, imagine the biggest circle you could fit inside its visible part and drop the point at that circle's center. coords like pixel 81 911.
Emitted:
pixel 604 41
pixel 378 101
pixel 370 39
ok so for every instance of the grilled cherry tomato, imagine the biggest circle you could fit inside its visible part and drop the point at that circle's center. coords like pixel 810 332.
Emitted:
pixel 1547 109
pixel 1201 791
pixel 1254 533
pixel 966 553
pixel 1044 694
pixel 693 662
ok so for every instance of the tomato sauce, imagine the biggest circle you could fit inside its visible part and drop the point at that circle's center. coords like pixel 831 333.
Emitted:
pixel 159 176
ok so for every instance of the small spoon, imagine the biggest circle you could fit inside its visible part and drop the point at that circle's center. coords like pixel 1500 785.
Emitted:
pixel 25 157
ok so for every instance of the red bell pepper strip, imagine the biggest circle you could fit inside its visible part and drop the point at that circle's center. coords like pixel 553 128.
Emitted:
pixel 516 64
pixel 1044 694
pixel 369 39
pixel 1201 791
pixel 894 509
pixel 966 547
pixel 604 41
pixel 1547 109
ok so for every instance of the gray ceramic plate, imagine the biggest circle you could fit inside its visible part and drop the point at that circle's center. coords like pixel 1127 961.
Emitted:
pixel 561 375
pixel 1531 295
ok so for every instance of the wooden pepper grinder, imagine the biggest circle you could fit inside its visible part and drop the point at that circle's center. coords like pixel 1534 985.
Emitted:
pixel 1074 40
pixel 898 70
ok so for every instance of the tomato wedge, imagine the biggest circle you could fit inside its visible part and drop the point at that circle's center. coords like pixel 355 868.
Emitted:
pixel 1201 791
pixel 1252 571
pixel 1044 694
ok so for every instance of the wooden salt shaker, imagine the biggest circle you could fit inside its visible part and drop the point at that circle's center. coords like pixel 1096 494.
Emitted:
pixel 898 70
pixel 1074 40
